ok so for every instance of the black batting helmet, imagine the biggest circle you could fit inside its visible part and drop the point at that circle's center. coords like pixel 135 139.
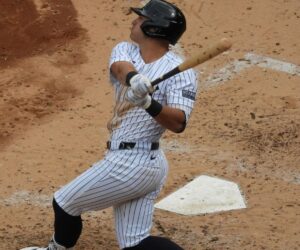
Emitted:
pixel 165 20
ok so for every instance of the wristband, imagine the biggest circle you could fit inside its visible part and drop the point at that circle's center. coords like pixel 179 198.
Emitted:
pixel 154 109
pixel 129 76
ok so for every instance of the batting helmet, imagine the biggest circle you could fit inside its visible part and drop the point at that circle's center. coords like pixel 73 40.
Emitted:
pixel 164 21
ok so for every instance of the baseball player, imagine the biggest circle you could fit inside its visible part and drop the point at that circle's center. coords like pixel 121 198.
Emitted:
pixel 134 168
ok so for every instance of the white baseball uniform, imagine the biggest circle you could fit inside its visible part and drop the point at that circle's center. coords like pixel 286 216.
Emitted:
pixel 130 179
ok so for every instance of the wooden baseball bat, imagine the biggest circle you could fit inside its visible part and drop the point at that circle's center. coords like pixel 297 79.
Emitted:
pixel 204 55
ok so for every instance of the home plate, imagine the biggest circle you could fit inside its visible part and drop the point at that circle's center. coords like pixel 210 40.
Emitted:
pixel 204 194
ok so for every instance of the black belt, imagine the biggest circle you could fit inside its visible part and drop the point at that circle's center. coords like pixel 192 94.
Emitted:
pixel 131 145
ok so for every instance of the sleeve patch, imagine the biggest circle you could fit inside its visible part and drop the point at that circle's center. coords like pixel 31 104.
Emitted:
pixel 189 94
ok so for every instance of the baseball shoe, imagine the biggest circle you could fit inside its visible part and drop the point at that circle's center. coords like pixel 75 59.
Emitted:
pixel 52 246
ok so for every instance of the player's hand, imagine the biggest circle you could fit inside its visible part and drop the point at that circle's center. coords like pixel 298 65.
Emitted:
pixel 140 101
pixel 141 85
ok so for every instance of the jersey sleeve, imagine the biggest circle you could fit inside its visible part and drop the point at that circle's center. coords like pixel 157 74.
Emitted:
pixel 121 52
pixel 181 91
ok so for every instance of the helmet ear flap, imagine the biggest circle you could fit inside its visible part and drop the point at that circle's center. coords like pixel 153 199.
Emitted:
pixel 153 29
pixel 148 28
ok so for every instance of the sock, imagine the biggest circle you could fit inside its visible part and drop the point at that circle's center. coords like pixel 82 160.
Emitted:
pixel 67 227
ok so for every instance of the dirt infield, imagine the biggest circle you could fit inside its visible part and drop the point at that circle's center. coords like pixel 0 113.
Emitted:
pixel 55 100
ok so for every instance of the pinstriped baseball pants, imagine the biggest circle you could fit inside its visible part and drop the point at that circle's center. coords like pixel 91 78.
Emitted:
pixel 128 180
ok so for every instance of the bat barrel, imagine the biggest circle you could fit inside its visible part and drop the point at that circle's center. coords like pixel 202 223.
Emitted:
pixel 204 55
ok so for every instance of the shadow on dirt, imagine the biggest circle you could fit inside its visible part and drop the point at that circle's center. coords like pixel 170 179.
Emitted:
pixel 50 36
pixel 29 29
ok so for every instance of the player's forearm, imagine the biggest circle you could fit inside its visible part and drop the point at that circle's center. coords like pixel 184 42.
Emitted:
pixel 172 119
pixel 120 70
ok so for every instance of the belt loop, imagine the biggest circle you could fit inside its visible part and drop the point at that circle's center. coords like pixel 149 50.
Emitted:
pixel 122 145
pixel 154 145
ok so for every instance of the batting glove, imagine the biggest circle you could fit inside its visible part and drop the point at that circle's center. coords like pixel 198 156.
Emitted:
pixel 140 85
pixel 140 101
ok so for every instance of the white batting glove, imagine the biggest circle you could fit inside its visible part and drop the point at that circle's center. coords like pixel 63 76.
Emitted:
pixel 140 101
pixel 141 85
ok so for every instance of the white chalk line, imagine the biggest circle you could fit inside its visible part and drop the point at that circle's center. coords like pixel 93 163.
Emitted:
pixel 27 198
pixel 249 60
pixel 267 62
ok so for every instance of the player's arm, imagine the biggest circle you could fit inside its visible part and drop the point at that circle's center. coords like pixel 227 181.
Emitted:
pixel 126 74
pixel 180 95
pixel 175 113
pixel 120 70
pixel 172 119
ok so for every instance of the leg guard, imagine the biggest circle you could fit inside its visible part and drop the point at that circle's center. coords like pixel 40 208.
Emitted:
pixel 157 243
pixel 67 228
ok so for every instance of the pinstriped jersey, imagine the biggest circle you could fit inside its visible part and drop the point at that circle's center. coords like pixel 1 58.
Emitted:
pixel 133 124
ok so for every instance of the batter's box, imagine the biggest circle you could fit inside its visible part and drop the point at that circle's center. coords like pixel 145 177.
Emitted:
pixel 203 195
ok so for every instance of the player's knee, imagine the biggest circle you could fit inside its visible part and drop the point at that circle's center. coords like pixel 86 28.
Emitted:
pixel 157 243
pixel 67 227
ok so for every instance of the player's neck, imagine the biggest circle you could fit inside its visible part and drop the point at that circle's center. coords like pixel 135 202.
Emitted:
pixel 151 52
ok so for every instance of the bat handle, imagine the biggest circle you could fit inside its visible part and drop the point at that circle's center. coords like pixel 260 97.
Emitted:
pixel 167 75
